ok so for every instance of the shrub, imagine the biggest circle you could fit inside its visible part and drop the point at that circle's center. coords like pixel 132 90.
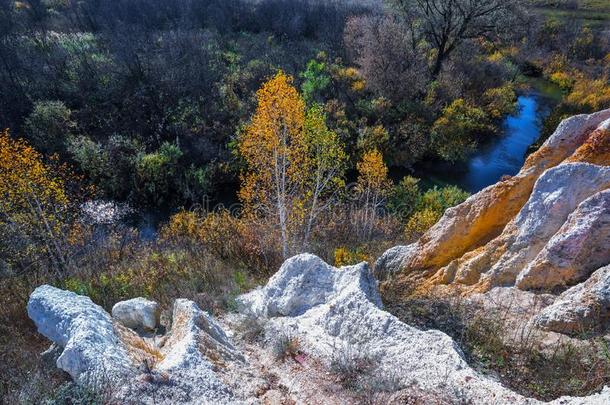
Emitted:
pixel 73 394
pixel 562 79
pixel 49 125
pixel 157 173
pixel 500 101
pixel 352 365
pixel 430 207
pixel 404 197
pixel 590 95
pixel 455 132
pixel 346 257
pixel 420 222
pixel 244 242
pixel 284 346
pixel 439 199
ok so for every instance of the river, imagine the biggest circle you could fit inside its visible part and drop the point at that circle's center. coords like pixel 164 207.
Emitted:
pixel 502 155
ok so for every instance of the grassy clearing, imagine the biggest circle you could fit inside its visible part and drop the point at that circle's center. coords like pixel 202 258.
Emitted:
pixel 595 13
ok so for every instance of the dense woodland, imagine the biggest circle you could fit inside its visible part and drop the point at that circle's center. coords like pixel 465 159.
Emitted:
pixel 147 98
pixel 295 109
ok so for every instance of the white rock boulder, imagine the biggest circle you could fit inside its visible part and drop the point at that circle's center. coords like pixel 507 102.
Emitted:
pixel 578 248
pixel 195 349
pixel 303 282
pixel 580 308
pixel 137 313
pixel 557 193
pixel 343 310
pixel 92 353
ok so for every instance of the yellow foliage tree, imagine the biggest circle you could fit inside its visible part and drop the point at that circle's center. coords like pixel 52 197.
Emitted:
pixel 295 164
pixel 372 187
pixel 275 151
pixel 326 166
pixel 33 206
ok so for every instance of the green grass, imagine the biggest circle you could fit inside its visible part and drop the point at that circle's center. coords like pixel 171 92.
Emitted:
pixel 595 13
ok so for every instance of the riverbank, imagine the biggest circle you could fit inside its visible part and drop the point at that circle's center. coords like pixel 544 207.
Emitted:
pixel 502 155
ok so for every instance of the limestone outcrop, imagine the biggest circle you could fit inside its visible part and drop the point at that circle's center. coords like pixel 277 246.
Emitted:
pixel 580 308
pixel 91 348
pixel 329 311
pixel 137 313
pixel 545 229
pixel 101 353
pixel 350 316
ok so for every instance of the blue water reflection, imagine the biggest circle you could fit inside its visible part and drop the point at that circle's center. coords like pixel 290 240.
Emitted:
pixel 506 155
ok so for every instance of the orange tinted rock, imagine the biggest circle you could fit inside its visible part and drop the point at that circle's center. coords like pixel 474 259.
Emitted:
pixel 482 243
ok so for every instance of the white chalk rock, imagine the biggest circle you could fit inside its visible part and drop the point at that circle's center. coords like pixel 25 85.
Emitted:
pixel 195 346
pixel 580 308
pixel 92 352
pixel 306 281
pixel 557 193
pixel 102 355
pixel 578 248
pixel 391 261
pixel 137 313
pixel 343 310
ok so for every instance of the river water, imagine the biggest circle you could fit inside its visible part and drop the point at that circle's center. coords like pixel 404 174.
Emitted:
pixel 502 155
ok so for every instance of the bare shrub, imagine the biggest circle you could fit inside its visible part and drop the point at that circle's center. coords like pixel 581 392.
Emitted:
pixel 73 394
pixel 251 328
pixel 352 365
pixel 284 346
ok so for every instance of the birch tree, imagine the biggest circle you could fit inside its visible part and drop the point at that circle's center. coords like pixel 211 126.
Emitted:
pixel 274 149
pixel 373 187
pixel 327 163
pixel 33 207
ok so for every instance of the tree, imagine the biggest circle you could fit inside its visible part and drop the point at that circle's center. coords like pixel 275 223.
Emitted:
pixel 446 24
pixel 327 162
pixel 275 152
pixel 386 51
pixel 156 173
pixel 49 125
pixel 33 209
pixel 372 187
pixel 454 133
pixel 316 79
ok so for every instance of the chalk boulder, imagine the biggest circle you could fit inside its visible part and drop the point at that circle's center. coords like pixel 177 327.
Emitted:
pixel 91 351
pixel 581 308
pixel 137 313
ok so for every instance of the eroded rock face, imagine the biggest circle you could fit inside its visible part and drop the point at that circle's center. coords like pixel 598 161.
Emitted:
pixel 578 248
pixel 350 316
pixel 556 195
pixel 137 313
pixel 581 307
pixel 545 229
pixel 105 355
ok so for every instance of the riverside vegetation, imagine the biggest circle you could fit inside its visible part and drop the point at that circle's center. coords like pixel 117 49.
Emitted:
pixel 300 108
